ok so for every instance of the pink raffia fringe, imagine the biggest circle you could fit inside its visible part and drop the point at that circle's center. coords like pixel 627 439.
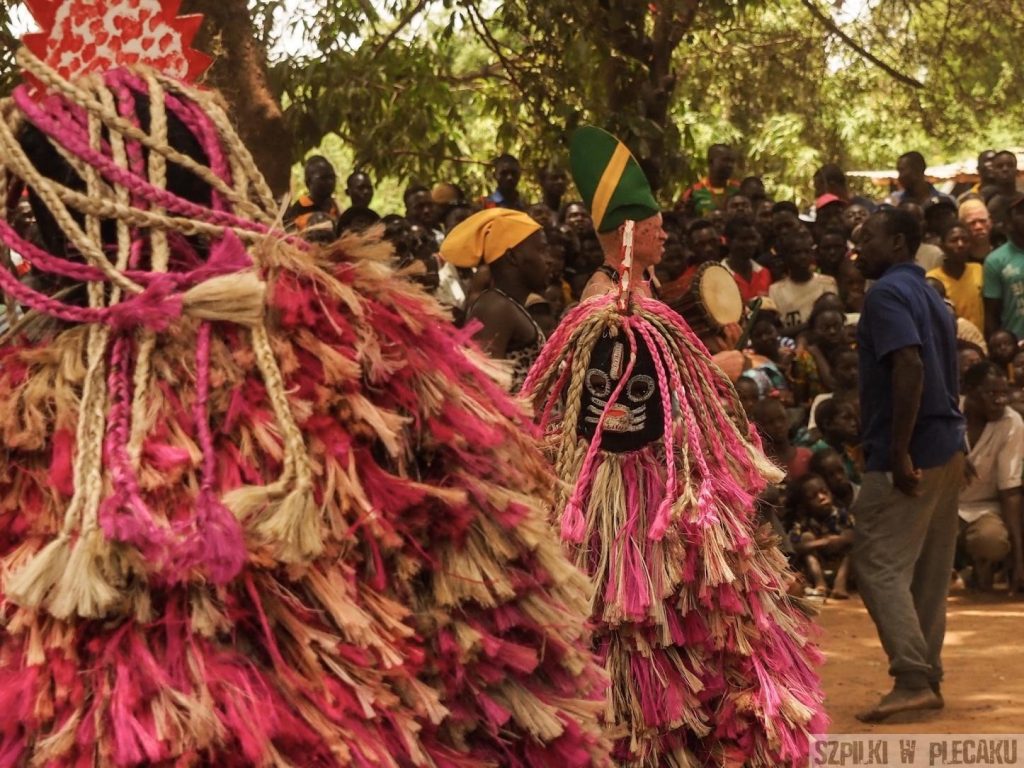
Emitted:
pixel 709 659
pixel 403 605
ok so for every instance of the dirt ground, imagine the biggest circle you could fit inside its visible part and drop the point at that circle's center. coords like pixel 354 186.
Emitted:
pixel 983 661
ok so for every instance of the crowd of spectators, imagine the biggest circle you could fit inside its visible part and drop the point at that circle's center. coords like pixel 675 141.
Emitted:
pixel 795 365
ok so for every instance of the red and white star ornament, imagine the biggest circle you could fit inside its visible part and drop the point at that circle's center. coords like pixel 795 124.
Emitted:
pixel 78 37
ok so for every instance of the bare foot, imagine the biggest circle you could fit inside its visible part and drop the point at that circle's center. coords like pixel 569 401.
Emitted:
pixel 839 593
pixel 901 700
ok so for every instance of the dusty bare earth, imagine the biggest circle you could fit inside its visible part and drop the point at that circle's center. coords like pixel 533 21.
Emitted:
pixel 983 661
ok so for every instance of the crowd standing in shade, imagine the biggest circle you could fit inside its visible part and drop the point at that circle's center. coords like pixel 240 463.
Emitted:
pixel 878 353
pixel 796 369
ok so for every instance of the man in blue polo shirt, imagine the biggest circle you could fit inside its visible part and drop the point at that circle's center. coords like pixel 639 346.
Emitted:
pixel 906 514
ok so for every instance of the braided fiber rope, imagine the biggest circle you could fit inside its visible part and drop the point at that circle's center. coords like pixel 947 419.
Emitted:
pixel 262 503
pixel 133 298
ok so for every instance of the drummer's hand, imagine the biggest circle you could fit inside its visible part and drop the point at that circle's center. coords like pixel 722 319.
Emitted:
pixel 731 333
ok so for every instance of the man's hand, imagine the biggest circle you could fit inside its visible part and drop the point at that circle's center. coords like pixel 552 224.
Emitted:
pixel 904 477
pixel 970 473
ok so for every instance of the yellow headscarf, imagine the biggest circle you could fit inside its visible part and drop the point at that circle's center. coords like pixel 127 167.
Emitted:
pixel 485 237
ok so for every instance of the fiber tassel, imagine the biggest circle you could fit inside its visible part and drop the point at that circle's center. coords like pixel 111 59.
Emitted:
pixel 30 586
pixel 238 298
pixel 84 589
pixel 573 525
pixel 291 527
pixel 221 539
pixel 662 518
pixel 249 501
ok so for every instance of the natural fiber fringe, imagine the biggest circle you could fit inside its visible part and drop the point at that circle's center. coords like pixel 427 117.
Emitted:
pixel 688 597
pixel 238 298
pixel 401 601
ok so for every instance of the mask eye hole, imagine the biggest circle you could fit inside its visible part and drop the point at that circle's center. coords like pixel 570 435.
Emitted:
pixel 598 383
pixel 640 389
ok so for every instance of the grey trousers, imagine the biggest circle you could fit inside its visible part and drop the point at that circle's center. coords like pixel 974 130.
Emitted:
pixel 903 557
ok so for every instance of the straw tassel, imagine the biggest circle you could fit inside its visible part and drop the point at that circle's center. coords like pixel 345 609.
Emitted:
pixel 289 524
pixel 30 586
pixel 239 298
pixel 84 589
pixel 220 539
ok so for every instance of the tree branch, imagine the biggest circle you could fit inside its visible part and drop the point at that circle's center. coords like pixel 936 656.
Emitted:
pixel 829 24
pixel 479 25
pixel 402 24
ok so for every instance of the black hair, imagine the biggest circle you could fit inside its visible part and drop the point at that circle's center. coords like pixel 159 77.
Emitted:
pixel 827 411
pixel 737 224
pixel 504 157
pixel 821 309
pixel 316 160
pixel 817 463
pixel 672 220
pixel 897 221
pixel 697 225
pixel 830 173
pixel 1007 331
pixel 796 489
pixel 356 173
pixel 413 189
pixel 975 376
pixel 357 219
pixel 915 160
pixel 1002 152
pixel 955 225
pixel 567 205
pixel 789 240
pixel 717 149
pixel 786 205
pixel 831 231
pixel 767 316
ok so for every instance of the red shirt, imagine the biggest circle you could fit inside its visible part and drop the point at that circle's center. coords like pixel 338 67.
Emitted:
pixel 799 465
pixel 760 280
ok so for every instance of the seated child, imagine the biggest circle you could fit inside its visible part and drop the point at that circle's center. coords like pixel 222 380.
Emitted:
pixel 845 373
pixel 773 423
pixel 748 393
pixel 838 426
pixel 829 465
pixel 821 535
pixel 1002 346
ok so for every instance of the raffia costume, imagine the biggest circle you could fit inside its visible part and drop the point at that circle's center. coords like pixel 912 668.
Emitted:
pixel 258 504
pixel 710 663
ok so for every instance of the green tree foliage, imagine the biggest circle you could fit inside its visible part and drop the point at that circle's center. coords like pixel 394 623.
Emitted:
pixel 426 89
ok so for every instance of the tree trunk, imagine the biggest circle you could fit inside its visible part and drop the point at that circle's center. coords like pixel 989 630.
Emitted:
pixel 640 80
pixel 239 71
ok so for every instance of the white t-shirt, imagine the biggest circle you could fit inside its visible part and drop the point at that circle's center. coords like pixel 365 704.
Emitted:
pixel 796 300
pixel 818 400
pixel 998 458
pixel 929 257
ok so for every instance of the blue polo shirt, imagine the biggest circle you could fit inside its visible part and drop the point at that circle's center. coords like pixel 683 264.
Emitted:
pixel 901 310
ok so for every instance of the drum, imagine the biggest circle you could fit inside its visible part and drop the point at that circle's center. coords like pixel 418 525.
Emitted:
pixel 712 300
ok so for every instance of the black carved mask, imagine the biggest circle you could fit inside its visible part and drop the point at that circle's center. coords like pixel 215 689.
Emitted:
pixel 636 418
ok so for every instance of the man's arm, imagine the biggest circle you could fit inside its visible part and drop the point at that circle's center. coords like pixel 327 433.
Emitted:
pixel 907 388
pixel 993 315
pixel 498 326
pixel 992 293
pixel 1010 505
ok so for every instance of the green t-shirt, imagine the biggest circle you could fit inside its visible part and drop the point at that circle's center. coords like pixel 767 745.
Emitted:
pixel 1004 280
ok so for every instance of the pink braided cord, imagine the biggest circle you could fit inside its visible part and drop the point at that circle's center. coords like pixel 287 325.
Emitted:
pixel 78 145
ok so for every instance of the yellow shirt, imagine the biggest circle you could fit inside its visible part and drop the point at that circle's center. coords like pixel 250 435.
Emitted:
pixel 965 293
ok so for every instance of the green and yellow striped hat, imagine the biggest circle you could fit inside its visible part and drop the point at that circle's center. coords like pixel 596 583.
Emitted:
pixel 609 178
